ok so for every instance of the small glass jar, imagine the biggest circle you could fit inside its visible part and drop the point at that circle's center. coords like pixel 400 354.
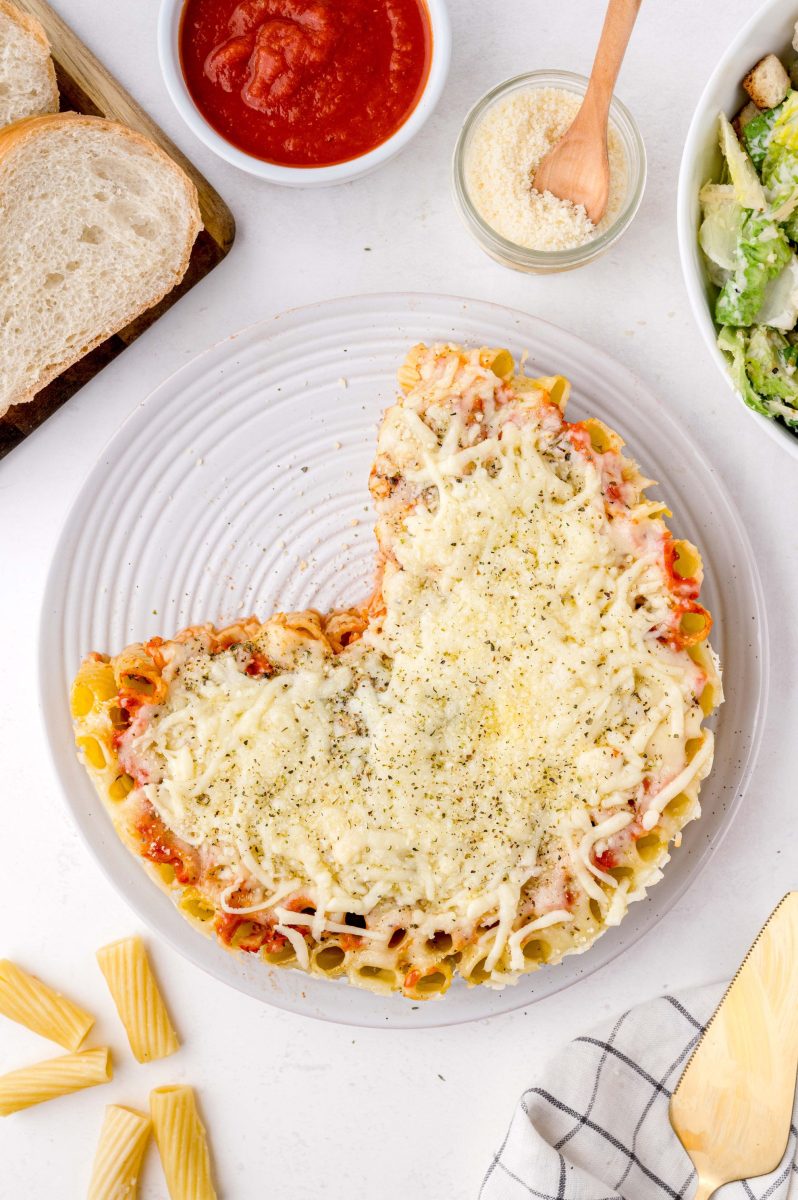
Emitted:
pixel 539 262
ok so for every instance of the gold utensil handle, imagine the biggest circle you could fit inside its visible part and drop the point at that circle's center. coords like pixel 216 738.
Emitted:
pixel 731 1109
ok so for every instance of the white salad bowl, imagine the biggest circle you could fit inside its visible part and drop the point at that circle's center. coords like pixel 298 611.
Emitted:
pixel 770 30
pixel 169 20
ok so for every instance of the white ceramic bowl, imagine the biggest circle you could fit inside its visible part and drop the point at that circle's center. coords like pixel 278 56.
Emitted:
pixel 169 54
pixel 770 30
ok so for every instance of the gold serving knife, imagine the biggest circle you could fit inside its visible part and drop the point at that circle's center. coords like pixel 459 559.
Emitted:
pixel 732 1107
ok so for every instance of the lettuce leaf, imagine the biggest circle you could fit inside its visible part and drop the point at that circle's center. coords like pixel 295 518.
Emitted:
pixel 791 226
pixel 733 344
pixel 748 191
pixel 762 253
pixel 780 177
pixel 756 135
pixel 780 302
pixel 720 230
pixel 779 167
pixel 765 360
pixel 771 364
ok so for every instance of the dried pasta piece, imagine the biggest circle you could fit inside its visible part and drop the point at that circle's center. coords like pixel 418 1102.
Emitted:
pixel 94 686
pixel 25 999
pixel 138 676
pixel 686 560
pixel 53 1078
pixel 329 958
pixel 182 1144
pixel 558 388
pixel 694 627
pixel 138 1001
pixel 433 980
pixel 120 1150
pixel 409 374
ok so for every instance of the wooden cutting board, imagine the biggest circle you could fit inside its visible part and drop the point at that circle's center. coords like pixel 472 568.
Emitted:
pixel 87 87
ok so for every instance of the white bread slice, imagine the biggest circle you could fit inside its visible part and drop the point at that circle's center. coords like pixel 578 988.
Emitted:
pixel 27 75
pixel 96 226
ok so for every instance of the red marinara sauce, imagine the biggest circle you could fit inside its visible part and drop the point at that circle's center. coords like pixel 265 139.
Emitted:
pixel 306 83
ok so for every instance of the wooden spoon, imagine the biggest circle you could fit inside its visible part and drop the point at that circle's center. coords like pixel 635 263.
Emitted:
pixel 578 168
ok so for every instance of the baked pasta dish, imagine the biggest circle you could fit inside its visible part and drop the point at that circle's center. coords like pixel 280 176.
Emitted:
pixel 474 772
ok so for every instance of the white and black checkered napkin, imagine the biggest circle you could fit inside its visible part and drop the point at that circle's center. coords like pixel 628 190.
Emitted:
pixel 594 1124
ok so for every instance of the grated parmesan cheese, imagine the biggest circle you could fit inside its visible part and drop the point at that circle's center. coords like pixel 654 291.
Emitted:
pixel 505 149
pixel 446 758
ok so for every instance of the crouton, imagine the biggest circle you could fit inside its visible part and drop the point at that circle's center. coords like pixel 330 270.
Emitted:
pixel 744 117
pixel 767 83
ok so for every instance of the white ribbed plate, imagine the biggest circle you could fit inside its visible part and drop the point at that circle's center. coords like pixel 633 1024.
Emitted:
pixel 240 485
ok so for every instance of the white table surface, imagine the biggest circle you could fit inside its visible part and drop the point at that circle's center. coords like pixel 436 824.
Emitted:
pixel 299 1109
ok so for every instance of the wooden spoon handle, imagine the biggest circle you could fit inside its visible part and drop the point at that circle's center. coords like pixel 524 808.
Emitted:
pixel 618 25
pixel 704 1190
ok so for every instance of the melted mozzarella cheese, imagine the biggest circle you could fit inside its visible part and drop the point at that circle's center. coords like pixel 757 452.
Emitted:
pixel 501 719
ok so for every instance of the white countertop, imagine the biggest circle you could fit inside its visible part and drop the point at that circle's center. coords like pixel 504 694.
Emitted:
pixel 299 1109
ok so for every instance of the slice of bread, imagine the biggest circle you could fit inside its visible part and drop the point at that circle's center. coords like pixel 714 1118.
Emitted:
pixel 27 75
pixel 96 226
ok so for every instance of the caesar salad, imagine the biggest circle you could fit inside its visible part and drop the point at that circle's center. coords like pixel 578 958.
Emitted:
pixel 749 238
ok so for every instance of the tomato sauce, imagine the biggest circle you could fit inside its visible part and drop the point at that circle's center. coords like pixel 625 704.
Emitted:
pixel 159 845
pixel 305 83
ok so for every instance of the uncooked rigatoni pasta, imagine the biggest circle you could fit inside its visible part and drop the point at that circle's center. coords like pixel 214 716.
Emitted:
pixel 138 1001
pixel 53 1078
pixel 25 999
pixel 120 1150
pixel 182 1144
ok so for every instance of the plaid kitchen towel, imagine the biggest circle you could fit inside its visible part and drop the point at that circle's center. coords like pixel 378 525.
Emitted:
pixel 594 1124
